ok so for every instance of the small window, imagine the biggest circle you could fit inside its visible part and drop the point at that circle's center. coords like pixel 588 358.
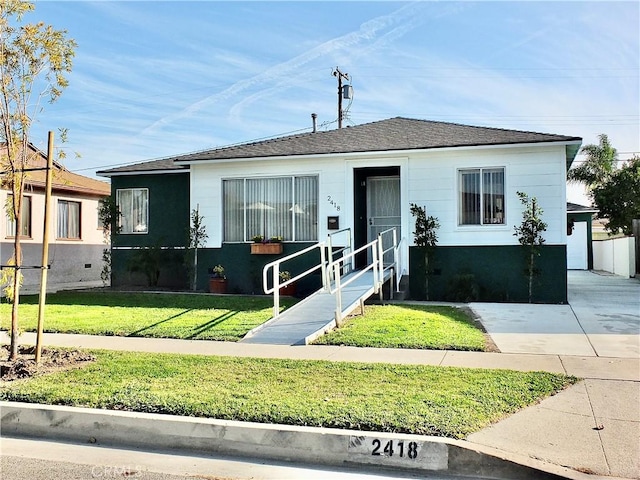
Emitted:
pixel 481 196
pixel 68 220
pixel 133 204
pixel 25 223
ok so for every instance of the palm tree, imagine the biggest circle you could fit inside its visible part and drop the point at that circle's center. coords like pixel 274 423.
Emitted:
pixel 598 166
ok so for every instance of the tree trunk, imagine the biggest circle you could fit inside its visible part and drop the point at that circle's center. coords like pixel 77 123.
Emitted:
pixel 194 284
pixel 13 354
pixel 531 260
pixel 426 275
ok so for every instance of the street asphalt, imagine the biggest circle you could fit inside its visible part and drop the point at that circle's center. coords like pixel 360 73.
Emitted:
pixel 589 430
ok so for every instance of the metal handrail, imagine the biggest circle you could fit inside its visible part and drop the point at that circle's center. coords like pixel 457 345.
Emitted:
pixel 399 257
pixel 347 248
pixel 275 267
pixel 393 267
pixel 335 266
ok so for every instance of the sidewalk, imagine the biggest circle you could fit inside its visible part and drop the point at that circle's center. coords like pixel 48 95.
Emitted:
pixel 592 427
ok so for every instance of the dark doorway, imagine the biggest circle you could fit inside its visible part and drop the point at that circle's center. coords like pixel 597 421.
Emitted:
pixel 376 189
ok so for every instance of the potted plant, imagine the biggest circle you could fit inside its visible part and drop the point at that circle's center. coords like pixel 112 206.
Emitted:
pixel 289 290
pixel 264 246
pixel 217 280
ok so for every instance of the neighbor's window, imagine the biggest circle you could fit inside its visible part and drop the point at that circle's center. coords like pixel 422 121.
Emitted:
pixel 284 207
pixel 481 196
pixel 68 219
pixel 133 204
pixel 25 223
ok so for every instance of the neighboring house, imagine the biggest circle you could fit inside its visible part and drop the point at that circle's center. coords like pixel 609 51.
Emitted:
pixel 579 236
pixel 365 177
pixel 76 237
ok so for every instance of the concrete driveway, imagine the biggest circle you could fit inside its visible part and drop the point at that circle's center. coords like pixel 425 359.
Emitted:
pixel 602 319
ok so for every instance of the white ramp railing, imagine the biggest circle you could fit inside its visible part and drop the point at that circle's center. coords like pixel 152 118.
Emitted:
pixel 274 268
pixel 384 251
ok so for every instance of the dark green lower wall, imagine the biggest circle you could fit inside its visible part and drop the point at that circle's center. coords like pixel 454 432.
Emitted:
pixel 242 269
pixel 489 274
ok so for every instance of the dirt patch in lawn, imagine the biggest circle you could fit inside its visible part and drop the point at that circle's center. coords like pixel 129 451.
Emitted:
pixel 51 360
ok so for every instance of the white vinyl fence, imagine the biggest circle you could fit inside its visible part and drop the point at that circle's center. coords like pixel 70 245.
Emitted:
pixel 615 255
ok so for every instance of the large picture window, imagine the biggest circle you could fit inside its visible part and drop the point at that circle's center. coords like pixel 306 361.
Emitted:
pixel 481 196
pixel 133 204
pixel 68 220
pixel 284 207
pixel 25 221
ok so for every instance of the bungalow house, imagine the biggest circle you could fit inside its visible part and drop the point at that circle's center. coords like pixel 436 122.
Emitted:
pixel 302 187
pixel 76 236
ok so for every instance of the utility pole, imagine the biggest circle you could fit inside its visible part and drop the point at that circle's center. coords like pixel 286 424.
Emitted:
pixel 339 75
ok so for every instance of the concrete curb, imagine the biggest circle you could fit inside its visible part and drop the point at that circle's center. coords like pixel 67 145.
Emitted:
pixel 323 446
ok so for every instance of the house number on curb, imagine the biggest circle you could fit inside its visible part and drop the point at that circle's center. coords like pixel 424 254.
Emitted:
pixel 410 449
pixel 333 202
pixel 398 451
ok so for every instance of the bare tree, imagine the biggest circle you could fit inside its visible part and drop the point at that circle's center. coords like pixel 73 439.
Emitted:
pixel 35 59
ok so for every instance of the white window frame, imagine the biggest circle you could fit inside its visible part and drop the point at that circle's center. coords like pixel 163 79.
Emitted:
pixel 122 213
pixel 247 236
pixel 67 210
pixel 480 171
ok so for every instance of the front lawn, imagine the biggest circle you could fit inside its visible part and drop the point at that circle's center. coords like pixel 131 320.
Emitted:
pixel 451 402
pixel 165 315
pixel 409 326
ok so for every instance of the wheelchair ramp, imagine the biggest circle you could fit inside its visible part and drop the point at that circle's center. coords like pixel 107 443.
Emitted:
pixel 313 316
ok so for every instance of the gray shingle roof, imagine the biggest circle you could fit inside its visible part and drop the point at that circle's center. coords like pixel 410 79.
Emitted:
pixel 385 135
pixel 577 208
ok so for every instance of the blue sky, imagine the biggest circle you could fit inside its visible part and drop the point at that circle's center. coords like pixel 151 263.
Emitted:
pixel 158 78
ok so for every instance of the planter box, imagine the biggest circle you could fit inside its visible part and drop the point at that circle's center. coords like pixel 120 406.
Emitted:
pixel 289 290
pixel 217 285
pixel 266 248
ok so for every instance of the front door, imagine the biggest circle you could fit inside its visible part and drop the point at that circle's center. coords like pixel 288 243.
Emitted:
pixel 383 205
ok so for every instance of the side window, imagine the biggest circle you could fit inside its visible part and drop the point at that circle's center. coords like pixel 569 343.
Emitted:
pixel 68 220
pixel 133 204
pixel 25 224
pixel 481 196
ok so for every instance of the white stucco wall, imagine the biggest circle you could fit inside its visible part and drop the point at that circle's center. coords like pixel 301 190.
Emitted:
pixel 428 178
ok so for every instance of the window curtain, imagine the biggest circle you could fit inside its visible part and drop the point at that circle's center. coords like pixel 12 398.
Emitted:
pixel 305 209
pixel 493 196
pixel 68 219
pixel 63 219
pixel 284 207
pixel 469 197
pixel 233 201
pixel 25 225
pixel 268 203
pixel 133 205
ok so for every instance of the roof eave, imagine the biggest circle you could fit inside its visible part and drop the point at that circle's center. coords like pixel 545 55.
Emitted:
pixel 108 174
pixel 380 153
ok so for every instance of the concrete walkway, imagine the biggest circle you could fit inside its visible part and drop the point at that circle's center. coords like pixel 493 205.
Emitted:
pixel 602 319
pixel 592 427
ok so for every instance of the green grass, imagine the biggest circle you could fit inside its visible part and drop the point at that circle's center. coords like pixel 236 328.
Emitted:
pixel 409 326
pixel 451 402
pixel 145 314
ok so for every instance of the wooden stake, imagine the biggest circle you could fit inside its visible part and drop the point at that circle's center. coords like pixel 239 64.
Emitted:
pixel 45 250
